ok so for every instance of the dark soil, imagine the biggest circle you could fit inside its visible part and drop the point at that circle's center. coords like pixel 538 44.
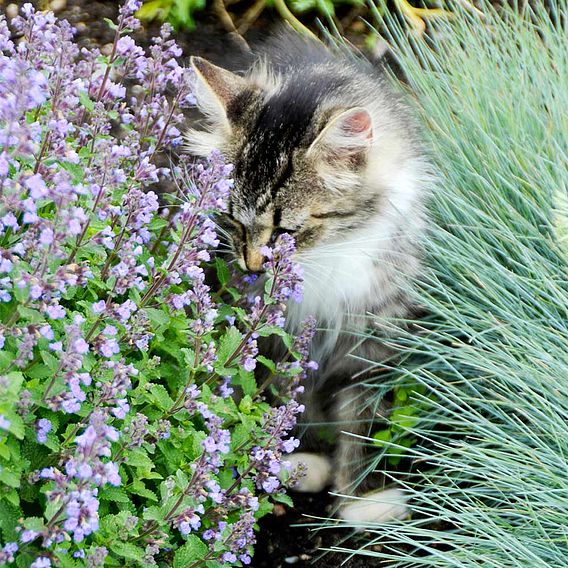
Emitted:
pixel 286 537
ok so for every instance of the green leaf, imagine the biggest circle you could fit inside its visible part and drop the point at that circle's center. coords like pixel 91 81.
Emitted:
pixel 227 346
pixel 34 523
pixel 9 515
pixel 114 494
pixel 194 549
pixel 153 513
pixel 158 318
pixel 283 498
pixel 182 479
pixel 137 487
pixel 139 458
pixel 268 363
pixel 247 382
pixel 382 436
pixel 223 273
pixel 128 550
pixel 14 382
pixel 110 23
pixel 161 397
pixel 39 371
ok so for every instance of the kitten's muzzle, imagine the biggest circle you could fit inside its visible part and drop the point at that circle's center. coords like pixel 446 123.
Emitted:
pixel 253 259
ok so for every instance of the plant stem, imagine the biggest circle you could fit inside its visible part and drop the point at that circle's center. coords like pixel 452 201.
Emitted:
pixel 285 14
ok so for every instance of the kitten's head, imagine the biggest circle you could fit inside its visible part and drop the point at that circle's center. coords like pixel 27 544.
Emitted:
pixel 300 157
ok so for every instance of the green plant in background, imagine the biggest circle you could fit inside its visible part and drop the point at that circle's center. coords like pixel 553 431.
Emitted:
pixel 179 13
pixel 405 415
pixel 489 482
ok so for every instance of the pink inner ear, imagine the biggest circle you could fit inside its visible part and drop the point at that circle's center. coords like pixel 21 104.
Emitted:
pixel 358 123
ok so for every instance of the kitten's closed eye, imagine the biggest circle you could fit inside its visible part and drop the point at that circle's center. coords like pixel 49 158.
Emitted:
pixel 280 231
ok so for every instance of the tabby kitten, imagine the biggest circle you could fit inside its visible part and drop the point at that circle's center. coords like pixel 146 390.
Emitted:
pixel 324 150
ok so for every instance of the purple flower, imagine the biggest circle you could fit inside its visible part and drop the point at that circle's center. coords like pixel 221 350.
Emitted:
pixel 55 312
pixel 99 307
pixel 82 512
pixel 81 346
pixel 37 186
pixel 4 422
pixel 229 557
pixel 41 562
pixel 28 536
pixel 270 484
pixel 43 427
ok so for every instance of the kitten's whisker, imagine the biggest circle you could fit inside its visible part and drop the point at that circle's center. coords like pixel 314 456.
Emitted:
pixel 348 255
pixel 364 240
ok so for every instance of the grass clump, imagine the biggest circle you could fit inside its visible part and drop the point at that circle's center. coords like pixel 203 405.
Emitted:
pixel 489 475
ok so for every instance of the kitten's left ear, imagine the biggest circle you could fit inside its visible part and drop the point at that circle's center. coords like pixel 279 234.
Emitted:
pixel 345 138
pixel 217 89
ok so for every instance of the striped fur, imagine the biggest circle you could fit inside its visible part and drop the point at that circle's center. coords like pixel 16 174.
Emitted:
pixel 325 150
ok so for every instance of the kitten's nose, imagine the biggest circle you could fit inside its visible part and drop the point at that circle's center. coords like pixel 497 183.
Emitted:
pixel 254 260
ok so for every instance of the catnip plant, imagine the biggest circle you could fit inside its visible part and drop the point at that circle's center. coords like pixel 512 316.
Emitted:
pixel 132 429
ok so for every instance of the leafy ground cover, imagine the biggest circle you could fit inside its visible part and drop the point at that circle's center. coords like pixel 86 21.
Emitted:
pixel 120 440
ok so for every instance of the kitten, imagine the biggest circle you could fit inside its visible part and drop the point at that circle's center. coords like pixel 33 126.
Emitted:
pixel 324 150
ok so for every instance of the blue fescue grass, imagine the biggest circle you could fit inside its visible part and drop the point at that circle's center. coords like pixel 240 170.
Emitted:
pixel 489 476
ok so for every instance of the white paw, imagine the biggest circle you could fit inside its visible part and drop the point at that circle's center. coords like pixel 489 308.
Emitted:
pixel 318 472
pixel 377 507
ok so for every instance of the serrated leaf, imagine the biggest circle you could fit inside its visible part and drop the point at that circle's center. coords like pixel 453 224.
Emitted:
pixel 268 363
pixel 223 273
pixel 17 427
pixel 10 478
pixel 227 346
pixel 153 513
pixel 139 458
pixel 39 371
pixel 13 497
pixel 14 381
pixel 283 498
pixel 160 396
pixel 9 515
pixel 128 550
pixel 194 549
pixel 34 523
pixel 137 487
pixel 182 479
pixel 157 317
pixel 114 494
pixel 51 361
pixel 247 382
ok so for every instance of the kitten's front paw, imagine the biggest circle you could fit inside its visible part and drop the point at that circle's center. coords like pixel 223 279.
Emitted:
pixel 318 473
pixel 377 507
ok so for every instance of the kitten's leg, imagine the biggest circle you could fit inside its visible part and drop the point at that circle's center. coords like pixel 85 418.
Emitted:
pixel 351 477
pixel 353 416
pixel 377 507
pixel 318 471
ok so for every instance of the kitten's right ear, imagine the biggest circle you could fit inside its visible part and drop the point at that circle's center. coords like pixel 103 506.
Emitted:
pixel 216 89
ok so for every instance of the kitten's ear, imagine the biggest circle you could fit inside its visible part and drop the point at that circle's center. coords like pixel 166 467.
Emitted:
pixel 216 88
pixel 345 138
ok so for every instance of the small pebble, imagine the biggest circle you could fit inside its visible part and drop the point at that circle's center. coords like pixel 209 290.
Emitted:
pixel 291 559
pixel 11 11
pixel 81 26
pixel 57 5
